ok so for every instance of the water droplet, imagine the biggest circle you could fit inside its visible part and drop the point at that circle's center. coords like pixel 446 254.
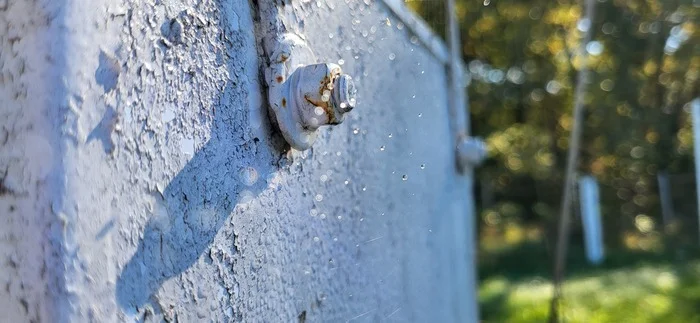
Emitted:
pixel 318 198
pixel 318 111
pixel 340 217
pixel 422 72
pixel 422 166
pixel 414 40
pixel 335 239
pixel 317 239
pixel 347 181
pixel 487 2
pixel 330 35
pixel 381 148
pixel 413 96
pixel 364 188
pixel 373 29
pixel 362 219
pixel 399 26
pixel 248 175
pixel 324 178
pixel 607 85
pixel 420 115
pixel 338 154
pixel 404 177
pixel 355 131
pixel 390 135
pixel 314 121
pixel 392 56
pixel 594 48
pixel 322 216
pixel 341 61
pixel 313 212
pixel 583 25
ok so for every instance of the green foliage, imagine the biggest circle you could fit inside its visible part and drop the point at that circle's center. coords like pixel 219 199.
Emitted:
pixel 523 57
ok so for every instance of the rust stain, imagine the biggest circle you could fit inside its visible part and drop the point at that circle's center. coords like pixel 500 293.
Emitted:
pixel 324 84
pixel 326 108
pixel 284 58
pixel 279 78
pixel 284 102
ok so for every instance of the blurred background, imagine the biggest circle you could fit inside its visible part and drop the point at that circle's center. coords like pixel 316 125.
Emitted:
pixel 644 61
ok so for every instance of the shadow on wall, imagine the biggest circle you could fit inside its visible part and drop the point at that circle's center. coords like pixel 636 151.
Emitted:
pixel 196 204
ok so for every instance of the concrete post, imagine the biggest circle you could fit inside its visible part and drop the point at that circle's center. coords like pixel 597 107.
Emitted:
pixel 141 178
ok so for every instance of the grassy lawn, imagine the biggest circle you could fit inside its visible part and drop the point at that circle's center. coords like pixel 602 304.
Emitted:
pixel 629 286
pixel 643 294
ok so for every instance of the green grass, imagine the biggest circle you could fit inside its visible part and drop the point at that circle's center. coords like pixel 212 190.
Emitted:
pixel 628 287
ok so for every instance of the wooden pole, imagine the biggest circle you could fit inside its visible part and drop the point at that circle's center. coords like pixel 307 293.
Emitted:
pixel 585 26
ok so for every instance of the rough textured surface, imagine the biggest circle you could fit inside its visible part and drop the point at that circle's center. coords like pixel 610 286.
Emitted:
pixel 30 160
pixel 174 198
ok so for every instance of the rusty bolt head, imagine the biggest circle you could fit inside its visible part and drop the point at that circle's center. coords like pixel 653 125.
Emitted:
pixel 303 96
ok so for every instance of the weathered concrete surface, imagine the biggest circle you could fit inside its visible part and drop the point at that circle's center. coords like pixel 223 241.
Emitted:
pixel 153 187
pixel 30 161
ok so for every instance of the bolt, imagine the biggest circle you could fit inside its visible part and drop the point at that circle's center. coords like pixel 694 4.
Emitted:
pixel 344 93
pixel 305 97
pixel 470 152
pixel 321 94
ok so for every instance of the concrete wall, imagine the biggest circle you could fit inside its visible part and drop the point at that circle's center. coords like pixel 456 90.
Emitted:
pixel 143 181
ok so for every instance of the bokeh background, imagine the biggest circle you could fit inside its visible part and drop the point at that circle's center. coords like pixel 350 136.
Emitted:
pixel 645 70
